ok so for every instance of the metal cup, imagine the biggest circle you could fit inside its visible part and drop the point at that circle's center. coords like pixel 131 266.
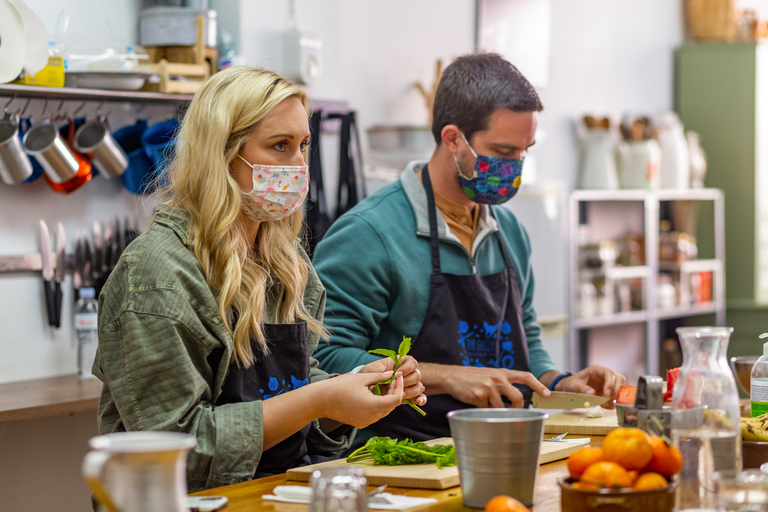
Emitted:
pixel 44 143
pixel 15 166
pixel 94 139
pixel 338 490
pixel 497 451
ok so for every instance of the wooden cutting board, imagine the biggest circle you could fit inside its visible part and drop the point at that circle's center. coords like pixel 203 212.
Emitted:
pixel 576 422
pixel 423 476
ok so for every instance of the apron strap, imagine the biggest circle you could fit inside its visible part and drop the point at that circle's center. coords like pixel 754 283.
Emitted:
pixel 500 238
pixel 433 242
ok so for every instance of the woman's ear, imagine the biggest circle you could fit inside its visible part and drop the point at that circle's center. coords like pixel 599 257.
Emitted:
pixel 450 136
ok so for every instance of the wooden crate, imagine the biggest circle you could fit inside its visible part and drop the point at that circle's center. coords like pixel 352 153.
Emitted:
pixel 182 69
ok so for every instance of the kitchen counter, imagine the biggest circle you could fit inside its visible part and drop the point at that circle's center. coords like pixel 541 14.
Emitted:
pixel 246 496
pixel 45 398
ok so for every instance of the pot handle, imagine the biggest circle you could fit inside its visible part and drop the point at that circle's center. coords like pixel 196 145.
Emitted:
pixel 93 470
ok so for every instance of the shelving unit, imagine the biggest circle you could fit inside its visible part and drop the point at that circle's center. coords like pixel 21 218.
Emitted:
pixel 610 214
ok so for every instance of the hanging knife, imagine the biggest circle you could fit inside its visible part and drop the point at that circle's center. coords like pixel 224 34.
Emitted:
pixel 117 243
pixel 45 251
pixel 88 261
pixel 97 254
pixel 107 259
pixel 61 270
pixel 77 274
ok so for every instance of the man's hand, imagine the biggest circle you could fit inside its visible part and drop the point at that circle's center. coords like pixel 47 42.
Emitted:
pixel 481 387
pixel 593 380
pixel 409 367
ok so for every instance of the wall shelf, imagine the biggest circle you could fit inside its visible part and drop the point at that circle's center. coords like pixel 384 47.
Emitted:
pixel 615 319
pixel 70 93
pixel 45 398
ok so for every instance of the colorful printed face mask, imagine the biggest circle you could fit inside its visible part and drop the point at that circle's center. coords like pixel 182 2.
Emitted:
pixel 494 181
pixel 278 191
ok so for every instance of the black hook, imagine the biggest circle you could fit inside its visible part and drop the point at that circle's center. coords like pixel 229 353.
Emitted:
pixel 5 108
pixel 21 114
pixel 78 109
pixel 45 106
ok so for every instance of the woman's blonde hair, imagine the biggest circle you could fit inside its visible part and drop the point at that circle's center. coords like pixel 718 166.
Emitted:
pixel 220 118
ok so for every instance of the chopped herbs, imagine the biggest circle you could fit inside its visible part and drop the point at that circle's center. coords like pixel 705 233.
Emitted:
pixel 391 452
pixel 402 351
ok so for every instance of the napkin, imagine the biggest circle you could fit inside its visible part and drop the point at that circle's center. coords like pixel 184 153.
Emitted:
pixel 301 494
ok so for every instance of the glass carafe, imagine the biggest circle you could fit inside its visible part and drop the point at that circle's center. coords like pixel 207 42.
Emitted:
pixel 706 425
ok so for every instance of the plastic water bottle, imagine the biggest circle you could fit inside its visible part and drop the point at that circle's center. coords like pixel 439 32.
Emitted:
pixel 87 331
pixel 758 388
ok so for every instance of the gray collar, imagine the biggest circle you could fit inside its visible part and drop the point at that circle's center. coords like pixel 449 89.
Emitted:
pixel 414 190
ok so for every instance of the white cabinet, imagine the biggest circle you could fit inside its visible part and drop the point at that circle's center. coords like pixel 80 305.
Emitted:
pixel 635 270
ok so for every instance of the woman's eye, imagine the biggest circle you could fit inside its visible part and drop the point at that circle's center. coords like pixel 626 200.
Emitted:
pixel 304 146
pixel 280 146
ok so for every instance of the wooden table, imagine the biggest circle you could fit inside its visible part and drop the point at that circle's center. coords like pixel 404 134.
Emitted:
pixel 45 398
pixel 246 496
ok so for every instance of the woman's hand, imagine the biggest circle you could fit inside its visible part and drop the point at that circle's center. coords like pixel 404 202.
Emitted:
pixel 348 398
pixel 409 368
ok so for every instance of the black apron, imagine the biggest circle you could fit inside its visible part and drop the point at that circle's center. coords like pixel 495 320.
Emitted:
pixel 286 368
pixel 471 320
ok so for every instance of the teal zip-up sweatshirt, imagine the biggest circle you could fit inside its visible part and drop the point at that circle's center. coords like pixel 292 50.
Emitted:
pixel 375 264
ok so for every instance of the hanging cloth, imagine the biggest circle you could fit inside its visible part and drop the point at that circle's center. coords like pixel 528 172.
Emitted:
pixel 318 220
pixel 347 195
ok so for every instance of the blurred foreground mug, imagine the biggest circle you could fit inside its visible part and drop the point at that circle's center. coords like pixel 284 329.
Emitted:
pixel 139 471
pixel 338 490
pixel 497 451
pixel 15 166
pixel 94 139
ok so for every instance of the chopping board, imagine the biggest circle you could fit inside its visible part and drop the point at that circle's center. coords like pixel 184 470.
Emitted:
pixel 423 476
pixel 575 421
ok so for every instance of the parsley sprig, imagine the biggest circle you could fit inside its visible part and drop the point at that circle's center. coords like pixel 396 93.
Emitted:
pixel 402 351
pixel 391 452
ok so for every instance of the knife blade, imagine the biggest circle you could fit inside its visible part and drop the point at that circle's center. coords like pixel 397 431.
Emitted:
pixel 88 260
pixel 61 270
pixel 96 254
pixel 77 274
pixel 45 251
pixel 107 259
pixel 564 400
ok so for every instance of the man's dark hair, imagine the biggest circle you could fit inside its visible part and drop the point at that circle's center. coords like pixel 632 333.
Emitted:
pixel 473 87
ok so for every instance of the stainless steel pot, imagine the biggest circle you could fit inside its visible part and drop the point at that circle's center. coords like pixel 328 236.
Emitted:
pixel 15 166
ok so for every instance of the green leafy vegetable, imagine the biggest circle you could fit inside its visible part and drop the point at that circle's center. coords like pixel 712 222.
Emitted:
pixel 402 351
pixel 391 452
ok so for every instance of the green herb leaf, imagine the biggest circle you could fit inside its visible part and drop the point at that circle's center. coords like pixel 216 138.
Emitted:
pixel 405 347
pixel 383 352
pixel 391 452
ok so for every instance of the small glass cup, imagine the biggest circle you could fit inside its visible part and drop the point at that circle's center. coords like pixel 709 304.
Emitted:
pixel 741 491
pixel 338 489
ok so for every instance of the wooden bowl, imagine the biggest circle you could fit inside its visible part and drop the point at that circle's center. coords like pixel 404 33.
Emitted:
pixel 754 453
pixel 616 500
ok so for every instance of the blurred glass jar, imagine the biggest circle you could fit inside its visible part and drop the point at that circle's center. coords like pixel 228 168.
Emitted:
pixel 598 255
pixel 632 250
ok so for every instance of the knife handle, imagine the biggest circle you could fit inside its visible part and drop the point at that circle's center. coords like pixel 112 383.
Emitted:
pixel 57 304
pixel 49 304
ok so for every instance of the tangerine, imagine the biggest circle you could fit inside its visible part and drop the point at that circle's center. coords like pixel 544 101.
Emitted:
pixel 580 460
pixel 505 504
pixel 606 474
pixel 650 481
pixel 630 447
pixel 585 486
pixel 666 460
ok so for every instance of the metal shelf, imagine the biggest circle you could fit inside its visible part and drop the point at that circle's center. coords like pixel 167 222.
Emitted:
pixel 631 317
pixel 70 93
pixel 683 311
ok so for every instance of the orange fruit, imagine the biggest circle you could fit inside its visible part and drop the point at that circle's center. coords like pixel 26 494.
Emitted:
pixel 633 475
pixel 650 481
pixel 666 459
pixel 630 447
pixel 505 504
pixel 606 474
pixel 580 460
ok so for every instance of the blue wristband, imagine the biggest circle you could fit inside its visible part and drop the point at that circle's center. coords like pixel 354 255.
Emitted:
pixel 558 379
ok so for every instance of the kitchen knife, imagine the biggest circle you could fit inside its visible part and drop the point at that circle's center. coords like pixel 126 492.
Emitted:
pixel 77 274
pixel 88 258
pixel 563 400
pixel 45 252
pixel 97 254
pixel 106 262
pixel 61 270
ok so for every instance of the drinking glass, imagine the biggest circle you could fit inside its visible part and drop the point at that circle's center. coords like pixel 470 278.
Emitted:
pixel 741 491
pixel 338 489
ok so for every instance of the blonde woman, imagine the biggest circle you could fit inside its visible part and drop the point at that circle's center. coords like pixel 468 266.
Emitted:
pixel 209 320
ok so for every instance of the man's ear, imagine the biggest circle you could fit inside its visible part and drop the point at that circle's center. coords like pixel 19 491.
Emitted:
pixel 450 136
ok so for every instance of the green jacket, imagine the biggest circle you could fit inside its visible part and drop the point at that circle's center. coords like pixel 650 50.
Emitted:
pixel 375 263
pixel 158 324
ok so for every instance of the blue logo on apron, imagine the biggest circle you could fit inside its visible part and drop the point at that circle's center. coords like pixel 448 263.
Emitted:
pixel 273 385
pixel 479 345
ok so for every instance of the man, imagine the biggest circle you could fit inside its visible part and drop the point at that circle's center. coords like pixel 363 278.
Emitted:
pixel 434 258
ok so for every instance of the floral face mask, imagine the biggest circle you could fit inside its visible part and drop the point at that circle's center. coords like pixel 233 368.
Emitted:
pixel 495 180
pixel 278 191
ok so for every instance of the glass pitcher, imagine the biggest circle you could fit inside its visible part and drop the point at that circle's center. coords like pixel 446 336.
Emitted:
pixel 706 425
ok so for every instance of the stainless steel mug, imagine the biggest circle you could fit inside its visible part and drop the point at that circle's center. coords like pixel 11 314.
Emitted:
pixel 44 143
pixel 94 139
pixel 15 166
